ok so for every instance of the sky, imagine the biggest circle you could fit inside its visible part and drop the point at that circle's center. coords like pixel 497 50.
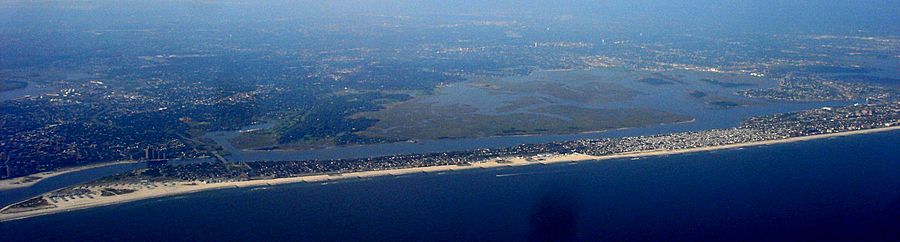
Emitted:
pixel 836 16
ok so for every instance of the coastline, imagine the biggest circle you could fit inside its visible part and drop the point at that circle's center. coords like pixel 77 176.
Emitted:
pixel 156 190
pixel 30 180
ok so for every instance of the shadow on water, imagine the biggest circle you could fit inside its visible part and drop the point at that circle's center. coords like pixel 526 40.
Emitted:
pixel 554 217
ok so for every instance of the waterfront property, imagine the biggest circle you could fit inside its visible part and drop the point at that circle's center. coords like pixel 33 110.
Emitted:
pixel 164 180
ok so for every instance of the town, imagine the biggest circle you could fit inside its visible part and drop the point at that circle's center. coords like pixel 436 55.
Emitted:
pixel 757 129
pixel 800 88
pixel 158 103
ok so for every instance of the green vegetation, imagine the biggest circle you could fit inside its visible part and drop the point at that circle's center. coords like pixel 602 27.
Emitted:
pixel 659 79
pixel 726 84
pixel 255 139
pixel 583 92
pixel 655 81
pixel 416 120
pixel 725 104
pixel 716 101
pixel 697 94
pixel 331 120
pixel 522 102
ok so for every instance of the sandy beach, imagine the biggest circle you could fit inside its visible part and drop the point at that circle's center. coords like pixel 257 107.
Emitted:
pixel 27 181
pixel 155 190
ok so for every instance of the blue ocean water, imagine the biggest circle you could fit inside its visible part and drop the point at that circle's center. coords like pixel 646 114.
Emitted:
pixel 845 188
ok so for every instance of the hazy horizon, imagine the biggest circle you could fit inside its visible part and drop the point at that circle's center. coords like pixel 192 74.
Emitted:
pixel 752 16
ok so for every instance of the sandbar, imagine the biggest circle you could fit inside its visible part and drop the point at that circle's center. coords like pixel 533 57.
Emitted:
pixel 30 180
pixel 143 191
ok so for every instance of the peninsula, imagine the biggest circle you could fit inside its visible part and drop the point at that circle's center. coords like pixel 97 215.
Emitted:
pixel 163 181
pixel 30 180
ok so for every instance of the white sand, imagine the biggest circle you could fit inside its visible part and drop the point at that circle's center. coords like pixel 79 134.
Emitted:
pixel 154 190
pixel 27 181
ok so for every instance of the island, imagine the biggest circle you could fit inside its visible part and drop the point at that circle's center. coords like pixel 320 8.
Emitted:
pixel 30 180
pixel 168 180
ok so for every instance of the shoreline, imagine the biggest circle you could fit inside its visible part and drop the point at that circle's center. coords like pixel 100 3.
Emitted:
pixel 157 190
pixel 30 180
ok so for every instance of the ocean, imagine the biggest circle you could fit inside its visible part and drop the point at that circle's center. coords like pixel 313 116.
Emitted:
pixel 844 188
